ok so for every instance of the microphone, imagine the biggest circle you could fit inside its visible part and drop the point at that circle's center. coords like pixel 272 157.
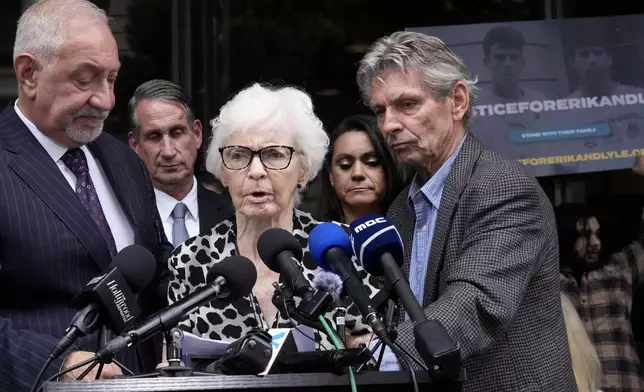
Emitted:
pixel 380 251
pixel 109 299
pixel 329 282
pixel 228 280
pixel 332 284
pixel 329 245
pixel 281 253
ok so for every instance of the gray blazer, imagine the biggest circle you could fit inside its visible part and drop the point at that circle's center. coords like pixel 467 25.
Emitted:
pixel 493 275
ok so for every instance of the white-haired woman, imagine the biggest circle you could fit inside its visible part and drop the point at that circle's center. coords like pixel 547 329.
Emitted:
pixel 267 144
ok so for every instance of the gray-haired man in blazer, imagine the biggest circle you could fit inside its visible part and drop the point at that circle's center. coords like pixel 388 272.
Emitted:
pixel 479 233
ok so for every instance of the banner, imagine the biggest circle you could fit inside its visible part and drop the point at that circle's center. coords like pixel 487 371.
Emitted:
pixel 560 96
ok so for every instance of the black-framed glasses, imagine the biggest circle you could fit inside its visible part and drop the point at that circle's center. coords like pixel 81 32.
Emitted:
pixel 272 157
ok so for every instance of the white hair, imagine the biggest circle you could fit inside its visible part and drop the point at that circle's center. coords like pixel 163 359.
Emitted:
pixel 42 28
pixel 404 50
pixel 261 108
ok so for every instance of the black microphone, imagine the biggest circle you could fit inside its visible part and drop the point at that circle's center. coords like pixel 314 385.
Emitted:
pixel 109 300
pixel 281 252
pixel 329 245
pixel 228 280
pixel 379 248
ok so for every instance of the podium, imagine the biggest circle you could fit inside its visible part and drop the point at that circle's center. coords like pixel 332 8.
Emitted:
pixel 309 382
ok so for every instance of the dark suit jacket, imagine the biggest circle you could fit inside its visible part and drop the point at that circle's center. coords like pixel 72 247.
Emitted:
pixel 493 275
pixel 213 208
pixel 50 248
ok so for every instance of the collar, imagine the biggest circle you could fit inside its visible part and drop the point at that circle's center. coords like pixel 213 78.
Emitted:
pixel 303 224
pixel 433 188
pixel 166 203
pixel 54 150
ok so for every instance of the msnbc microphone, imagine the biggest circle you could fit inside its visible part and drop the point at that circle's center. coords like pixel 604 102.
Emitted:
pixel 379 248
pixel 228 280
pixel 109 300
pixel 281 253
pixel 329 245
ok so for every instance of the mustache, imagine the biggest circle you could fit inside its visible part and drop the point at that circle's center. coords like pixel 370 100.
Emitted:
pixel 92 112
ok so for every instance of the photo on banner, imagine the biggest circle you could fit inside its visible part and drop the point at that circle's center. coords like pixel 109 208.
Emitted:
pixel 560 96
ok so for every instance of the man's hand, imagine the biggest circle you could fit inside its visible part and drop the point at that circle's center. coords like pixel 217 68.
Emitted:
pixel 355 341
pixel 110 370
pixel 639 166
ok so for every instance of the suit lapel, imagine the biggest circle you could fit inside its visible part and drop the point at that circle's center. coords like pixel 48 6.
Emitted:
pixel 213 208
pixel 207 210
pixel 121 179
pixel 34 166
pixel 405 225
pixel 454 186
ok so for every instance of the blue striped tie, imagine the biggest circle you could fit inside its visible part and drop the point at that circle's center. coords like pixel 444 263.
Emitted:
pixel 179 231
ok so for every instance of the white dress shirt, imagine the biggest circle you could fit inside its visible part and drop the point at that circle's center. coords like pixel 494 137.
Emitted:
pixel 166 203
pixel 118 222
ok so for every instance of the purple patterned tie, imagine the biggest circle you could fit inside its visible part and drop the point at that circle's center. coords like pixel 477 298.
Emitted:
pixel 75 160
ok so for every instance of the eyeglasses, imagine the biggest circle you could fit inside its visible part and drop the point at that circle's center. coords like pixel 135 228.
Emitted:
pixel 272 157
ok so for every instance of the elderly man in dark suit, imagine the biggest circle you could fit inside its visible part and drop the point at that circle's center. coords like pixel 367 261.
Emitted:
pixel 481 245
pixel 72 196
pixel 167 136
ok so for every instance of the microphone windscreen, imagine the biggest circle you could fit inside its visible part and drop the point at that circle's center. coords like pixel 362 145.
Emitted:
pixel 274 241
pixel 371 237
pixel 325 236
pixel 137 265
pixel 240 274
pixel 329 282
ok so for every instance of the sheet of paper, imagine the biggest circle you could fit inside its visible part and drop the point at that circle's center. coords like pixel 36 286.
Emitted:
pixel 196 345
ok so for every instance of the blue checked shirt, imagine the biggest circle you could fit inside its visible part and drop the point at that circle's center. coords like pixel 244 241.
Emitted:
pixel 425 201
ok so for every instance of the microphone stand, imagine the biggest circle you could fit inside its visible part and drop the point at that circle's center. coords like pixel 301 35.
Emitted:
pixel 175 368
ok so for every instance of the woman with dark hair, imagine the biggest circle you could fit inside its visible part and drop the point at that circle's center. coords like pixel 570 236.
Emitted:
pixel 360 175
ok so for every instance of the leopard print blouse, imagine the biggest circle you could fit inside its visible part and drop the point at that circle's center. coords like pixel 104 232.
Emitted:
pixel 190 262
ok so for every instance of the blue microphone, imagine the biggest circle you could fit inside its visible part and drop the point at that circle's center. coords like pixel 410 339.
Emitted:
pixel 330 247
pixel 372 237
pixel 379 248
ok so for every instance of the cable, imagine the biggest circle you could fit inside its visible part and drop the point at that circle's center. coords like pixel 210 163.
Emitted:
pixel 34 386
pixel 70 369
pixel 395 349
pixel 410 355
pixel 339 345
